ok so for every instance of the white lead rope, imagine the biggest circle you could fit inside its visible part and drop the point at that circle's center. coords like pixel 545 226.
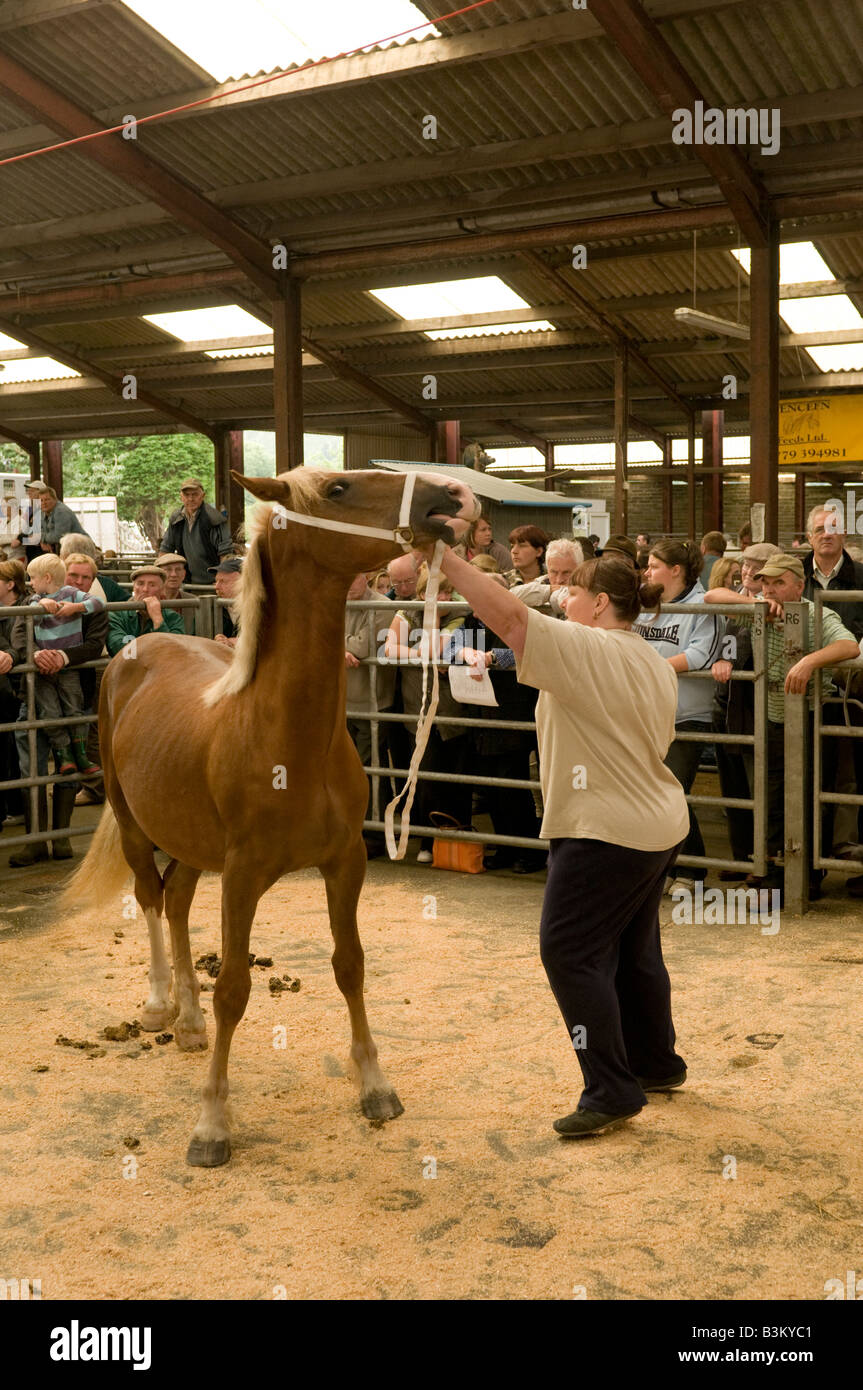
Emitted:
pixel 426 716
pixel 404 535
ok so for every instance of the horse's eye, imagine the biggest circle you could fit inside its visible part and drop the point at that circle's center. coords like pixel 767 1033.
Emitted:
pixel 337 490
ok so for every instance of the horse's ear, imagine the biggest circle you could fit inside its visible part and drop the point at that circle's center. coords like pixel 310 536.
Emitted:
pixel 265 489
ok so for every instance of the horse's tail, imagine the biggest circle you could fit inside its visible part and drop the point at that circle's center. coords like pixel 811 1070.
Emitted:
pixel 104 872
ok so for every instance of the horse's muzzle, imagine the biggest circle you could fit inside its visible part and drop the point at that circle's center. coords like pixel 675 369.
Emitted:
pixel 443 504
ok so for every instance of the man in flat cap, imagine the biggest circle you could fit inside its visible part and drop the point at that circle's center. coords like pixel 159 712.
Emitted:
pixel 174 569
pixel 198 532
pixel 57 520
pixel 148 586
pixel 782 581
pixel 227 578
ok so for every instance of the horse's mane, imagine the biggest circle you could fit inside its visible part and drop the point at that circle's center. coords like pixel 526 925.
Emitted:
pixel 305 486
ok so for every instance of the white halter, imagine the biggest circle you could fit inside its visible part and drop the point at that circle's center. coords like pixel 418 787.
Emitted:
pixel 403 534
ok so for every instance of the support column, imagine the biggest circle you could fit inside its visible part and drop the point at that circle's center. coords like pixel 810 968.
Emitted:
pixel 35 462
pixel 548 456
pixel 448 443
pixel 667 489
pixel 230 496
pixel 712 429
pixel 621 436
pixel 52 465
pixel 691 529
pixel 764 379
pixel 288 376
pixel 800 501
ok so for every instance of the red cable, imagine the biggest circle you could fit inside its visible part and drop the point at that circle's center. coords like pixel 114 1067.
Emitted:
pixel 247 86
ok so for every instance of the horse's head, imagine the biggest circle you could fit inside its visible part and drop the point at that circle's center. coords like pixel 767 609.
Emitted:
pixel 360 504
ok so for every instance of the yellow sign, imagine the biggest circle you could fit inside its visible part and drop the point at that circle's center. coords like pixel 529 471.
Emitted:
pixel 821 429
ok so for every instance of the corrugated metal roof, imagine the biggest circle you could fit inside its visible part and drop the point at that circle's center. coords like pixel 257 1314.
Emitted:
pixel 104 57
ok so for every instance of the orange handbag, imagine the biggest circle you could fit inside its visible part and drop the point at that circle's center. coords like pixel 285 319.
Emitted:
pixel 463 856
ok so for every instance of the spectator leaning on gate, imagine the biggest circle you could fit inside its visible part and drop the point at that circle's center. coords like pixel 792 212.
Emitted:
pixel 103 585
pixel 713 545
pixel 81 573
pixel 561 558
pixel 734 707
pixel 829 566
pixel 527 547
pixel 782 581
pixel 13 593
pixel 94 630
pixel 57 520
pixel 198 532
pixel 174 569
pixel 148 586
pixel 58 693
pixel 227 580
pixel 689 642
pixel 480 541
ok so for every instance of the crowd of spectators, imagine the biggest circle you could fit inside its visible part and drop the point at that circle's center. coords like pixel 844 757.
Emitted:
pixel 49 564
pixel 54 566
pixel 704 647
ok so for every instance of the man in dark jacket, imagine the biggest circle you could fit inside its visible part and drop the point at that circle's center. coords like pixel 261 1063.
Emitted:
pixel 829 566
pixel 226 580
pixel 198 532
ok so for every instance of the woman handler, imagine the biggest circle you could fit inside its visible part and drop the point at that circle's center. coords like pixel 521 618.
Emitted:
pixel 605 719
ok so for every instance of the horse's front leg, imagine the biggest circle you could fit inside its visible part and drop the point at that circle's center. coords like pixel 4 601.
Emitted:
pixel 210 1144
pixel 344 880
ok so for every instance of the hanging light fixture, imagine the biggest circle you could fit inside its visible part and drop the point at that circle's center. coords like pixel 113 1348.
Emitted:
pixel 709 323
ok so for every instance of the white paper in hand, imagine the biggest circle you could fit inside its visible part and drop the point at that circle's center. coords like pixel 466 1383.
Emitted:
pixel 469 691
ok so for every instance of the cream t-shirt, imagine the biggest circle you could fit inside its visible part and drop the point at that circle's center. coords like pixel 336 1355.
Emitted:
pixel 605 720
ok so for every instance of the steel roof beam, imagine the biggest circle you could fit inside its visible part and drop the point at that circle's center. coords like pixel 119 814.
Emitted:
pixel 116 384
pixel 648 53
pixel 121 159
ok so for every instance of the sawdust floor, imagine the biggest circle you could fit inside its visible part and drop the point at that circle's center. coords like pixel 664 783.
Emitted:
pixel 318 1204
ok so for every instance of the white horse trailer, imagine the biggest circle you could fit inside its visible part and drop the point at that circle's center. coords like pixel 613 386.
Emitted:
pixel 98 516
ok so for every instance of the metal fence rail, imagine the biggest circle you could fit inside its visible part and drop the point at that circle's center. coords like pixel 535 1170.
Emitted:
pixel 757 803
pixel 32 723
pixel 852 728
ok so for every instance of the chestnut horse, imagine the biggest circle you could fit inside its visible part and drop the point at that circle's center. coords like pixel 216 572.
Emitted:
pixel 240 763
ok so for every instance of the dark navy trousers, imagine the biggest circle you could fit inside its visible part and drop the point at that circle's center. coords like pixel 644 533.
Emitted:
pixel 599 943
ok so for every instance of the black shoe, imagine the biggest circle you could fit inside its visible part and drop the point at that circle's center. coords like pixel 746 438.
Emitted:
pixel 500 859
pixel 28 854
pixel 374 848
pixel 529 864
pixel 731 875
pixel 583 1122
pixel 666 1083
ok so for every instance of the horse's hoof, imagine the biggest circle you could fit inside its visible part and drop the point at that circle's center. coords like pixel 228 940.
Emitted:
pixel 156 1020
pixel 190 1041
pixel 208 1153
pixel 381 1105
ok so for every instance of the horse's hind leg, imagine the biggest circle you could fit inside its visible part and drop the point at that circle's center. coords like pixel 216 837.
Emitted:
pixel 159 1010
pixel 344 881
pixel 190 1029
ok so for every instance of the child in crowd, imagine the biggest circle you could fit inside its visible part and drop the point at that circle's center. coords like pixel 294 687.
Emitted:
pixel 59 694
